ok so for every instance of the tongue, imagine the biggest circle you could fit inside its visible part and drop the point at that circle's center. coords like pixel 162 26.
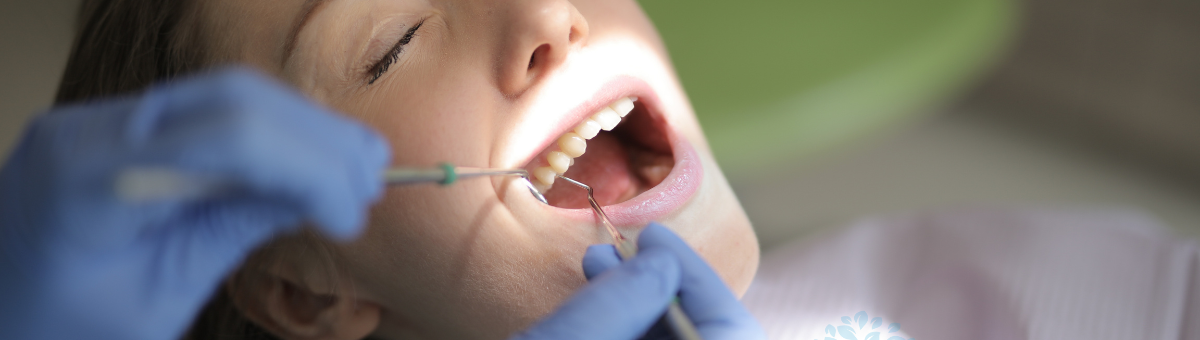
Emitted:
pixel 604 167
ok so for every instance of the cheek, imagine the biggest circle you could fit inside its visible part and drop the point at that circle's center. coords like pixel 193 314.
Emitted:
pixel 432 122
pixel 469 271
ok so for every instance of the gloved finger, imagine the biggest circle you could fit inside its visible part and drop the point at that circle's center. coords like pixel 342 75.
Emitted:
pixel 703 295
pixel 620 304
pixel 264 138
pixel 335 134
pixel 271 164
pixel 329 138
pixel 598 259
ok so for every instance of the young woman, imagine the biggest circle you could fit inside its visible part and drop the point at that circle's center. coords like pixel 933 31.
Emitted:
pixel 579 87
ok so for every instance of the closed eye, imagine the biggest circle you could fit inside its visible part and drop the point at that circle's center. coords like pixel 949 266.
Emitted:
pixel 381 67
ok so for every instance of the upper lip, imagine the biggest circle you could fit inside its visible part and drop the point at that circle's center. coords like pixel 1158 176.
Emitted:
pixel 617 88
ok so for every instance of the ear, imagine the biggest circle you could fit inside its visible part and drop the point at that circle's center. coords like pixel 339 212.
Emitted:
pixel 295 312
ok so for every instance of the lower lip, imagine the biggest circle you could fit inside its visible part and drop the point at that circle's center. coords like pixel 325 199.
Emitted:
pixel 661 200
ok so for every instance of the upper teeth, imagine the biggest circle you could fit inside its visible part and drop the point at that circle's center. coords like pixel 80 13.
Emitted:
pixel 574 144
pixel 607 118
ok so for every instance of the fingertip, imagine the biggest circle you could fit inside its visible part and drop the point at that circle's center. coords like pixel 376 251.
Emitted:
pixel 339 219
pixel 380 151
pixel 598 259
pixel 377 150
pixel 656 234
pixel 373 183
pixel 602 251
pixel 378 158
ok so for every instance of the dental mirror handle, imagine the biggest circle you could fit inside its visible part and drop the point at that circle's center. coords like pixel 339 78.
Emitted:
pixel 141 184
pixel 678 321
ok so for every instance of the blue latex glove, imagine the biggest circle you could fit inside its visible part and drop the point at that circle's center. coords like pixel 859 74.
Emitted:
pixel 77 262
pixel 623 300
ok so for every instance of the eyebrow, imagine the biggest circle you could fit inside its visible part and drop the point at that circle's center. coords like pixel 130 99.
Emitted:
pixel 309 9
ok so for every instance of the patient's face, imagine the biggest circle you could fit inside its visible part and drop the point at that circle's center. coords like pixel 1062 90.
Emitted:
pixel 492 83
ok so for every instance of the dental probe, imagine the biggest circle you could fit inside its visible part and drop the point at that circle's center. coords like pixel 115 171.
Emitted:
pixel 680 324
pixel 447 174
pixel 145 184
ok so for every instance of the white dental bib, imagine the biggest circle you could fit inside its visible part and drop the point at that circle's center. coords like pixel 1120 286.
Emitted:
pixel 984 274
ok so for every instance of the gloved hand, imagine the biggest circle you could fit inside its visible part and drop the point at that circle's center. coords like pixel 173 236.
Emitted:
pixel 79 262
pixel 623 300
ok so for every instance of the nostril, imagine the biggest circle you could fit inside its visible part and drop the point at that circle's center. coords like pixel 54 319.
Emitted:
pixel 540 51
pixel 574 36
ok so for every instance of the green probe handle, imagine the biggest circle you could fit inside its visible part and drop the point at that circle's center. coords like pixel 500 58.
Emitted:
pixel 451 176
pixel 444 174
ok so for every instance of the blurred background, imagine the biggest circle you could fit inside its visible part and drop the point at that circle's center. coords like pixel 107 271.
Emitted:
pixel 824 111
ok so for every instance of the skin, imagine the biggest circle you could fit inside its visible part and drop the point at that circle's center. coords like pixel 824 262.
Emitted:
pixel 480 259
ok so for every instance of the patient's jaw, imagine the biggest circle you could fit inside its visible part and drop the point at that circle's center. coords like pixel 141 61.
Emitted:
pixel 486 83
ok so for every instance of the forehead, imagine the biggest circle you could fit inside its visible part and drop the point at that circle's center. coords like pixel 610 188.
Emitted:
pixel 252 32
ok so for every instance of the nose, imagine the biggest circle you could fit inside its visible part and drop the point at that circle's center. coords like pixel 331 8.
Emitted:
pixel 537 37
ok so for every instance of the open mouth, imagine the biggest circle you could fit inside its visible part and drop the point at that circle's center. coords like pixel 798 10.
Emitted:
pixel 621 151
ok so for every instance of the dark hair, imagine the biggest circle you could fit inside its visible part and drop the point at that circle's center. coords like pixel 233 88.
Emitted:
pixel 124 46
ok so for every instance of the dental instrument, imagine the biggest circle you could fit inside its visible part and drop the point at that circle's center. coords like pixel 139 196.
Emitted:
pixel 144 184
pixel 676 319
pixel 447 174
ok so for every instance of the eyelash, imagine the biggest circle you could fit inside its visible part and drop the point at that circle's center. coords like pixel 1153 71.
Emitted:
pixel 386 62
